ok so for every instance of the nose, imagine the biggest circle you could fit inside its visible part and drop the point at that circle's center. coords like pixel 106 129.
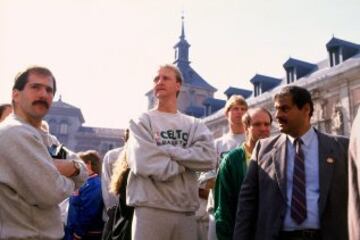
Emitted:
pixel 277 114
pixel 157 80
pixel 161 79
pixel 44 93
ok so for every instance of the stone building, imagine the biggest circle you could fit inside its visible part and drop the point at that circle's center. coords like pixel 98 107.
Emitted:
pixel 66 123
pixel 334 84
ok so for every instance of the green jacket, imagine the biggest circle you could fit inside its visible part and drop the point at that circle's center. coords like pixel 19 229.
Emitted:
pixel 231 173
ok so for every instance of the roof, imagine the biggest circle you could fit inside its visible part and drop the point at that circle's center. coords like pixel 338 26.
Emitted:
pixel 266 82
pixel 292 62
pixel 65 108
pixel 336 42
pixel 193 78
pixel 62 104
pixel 214 102
pixel 237 91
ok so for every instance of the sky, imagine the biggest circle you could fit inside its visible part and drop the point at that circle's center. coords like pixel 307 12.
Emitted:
pixel 105 53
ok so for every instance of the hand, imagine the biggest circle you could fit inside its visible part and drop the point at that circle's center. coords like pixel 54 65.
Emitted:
pixel 204 193
pixel 210 184
pixel 65 167
pixel 76 237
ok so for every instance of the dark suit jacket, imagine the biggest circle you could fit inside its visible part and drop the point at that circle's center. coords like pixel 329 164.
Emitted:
pixel 262 199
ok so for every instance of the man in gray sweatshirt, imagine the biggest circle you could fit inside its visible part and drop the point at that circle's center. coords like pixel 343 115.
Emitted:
pixel 32 183
pixel 165 150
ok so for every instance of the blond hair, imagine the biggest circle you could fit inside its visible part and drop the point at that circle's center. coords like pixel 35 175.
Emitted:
pixel 176 70
pixel 235 100
pixel 121 167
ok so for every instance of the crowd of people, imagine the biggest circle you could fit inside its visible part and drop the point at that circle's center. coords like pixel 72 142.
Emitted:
pixel 171 180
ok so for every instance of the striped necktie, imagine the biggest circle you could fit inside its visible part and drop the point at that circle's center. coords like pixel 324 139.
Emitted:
pixel 298 200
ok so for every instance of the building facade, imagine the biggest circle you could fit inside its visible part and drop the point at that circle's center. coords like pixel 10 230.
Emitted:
pixel 334 84
pixel 66 123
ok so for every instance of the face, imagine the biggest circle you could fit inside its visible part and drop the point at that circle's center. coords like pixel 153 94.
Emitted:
pixel 89 168
pixel 165 83
pixel 235 113
pixel 260 126
pixel 34 101
pixel 290 118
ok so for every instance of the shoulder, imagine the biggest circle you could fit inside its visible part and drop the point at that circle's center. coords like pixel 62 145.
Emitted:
pixel 221 141
pixel 233 156
pixel 93 182
pixel 235 153
pixel 113 153
pixel 15 129
pixel 196 124
pixel 272 140
pixel 141 121
pixel 269 144
pixel 339 139
pixel 141 117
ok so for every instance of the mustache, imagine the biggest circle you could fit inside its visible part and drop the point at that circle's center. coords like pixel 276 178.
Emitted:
pixel 281 120
pixel 41 102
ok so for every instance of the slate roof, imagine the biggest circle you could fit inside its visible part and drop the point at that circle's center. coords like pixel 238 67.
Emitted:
pixel 193 78
pixel 266 82
pixel 336 42
pixel 292 62
pixel 237 91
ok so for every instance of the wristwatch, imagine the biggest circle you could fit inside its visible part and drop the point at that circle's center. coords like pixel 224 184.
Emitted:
pixel 77 168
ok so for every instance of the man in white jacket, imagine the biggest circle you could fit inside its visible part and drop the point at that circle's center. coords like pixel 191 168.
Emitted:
pixel 166 149
pixel 32 183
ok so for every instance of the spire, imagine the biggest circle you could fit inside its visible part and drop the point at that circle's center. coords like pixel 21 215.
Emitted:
pixel 182 27
pixel 182 47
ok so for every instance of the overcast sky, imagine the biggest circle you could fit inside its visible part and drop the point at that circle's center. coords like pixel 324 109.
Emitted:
pixel 104 53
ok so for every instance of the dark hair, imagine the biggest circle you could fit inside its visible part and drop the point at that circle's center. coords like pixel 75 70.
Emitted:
pixel 300 96
pixel 22 78
pixel 93 157
pixel 3 107
pixel 246 118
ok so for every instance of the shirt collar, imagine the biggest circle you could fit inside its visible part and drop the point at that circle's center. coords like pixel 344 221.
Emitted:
pixel 306 138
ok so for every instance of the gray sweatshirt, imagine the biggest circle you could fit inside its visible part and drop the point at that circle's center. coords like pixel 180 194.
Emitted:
pixel 165 151
pixel 31 187
pixel 109 199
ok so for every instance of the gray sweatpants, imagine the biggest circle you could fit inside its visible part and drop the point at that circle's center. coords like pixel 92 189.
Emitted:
pixel 158 224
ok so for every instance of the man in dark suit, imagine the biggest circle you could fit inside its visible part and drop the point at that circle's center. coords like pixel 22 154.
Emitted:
pixel 296 187
pixel 354 180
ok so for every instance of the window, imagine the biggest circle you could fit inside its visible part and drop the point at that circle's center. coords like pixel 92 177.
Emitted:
pixel 53 126
pixel 335 56
pixel 290 75
pixel 64 128
pixel 257 89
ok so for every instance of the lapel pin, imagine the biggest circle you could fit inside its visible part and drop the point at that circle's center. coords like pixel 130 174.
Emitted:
pixel 330 160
